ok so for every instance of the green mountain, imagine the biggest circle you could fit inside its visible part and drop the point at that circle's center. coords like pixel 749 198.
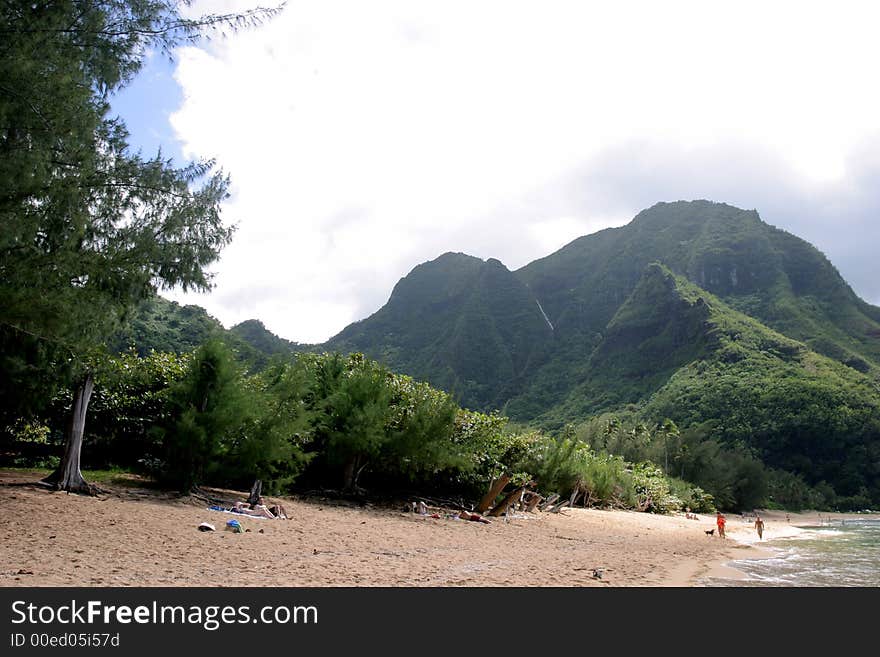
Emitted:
pixel 465 325
pixel 695 311
pixel 525 340
pixel 662 326
pixel 756 268
pixel 254 333
pixel 750 385
pixel 162 325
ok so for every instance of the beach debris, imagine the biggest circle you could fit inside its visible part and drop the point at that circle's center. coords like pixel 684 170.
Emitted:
pixel 546 504
pixel 234 526
pixel 207 527
pixel 519 498
pixel 531 500
pixel 495 489
pixel 512 498
pixel 556 508
pixel 597 573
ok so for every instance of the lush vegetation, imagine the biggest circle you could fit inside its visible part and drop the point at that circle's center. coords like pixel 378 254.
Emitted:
pixel 743 334
pixel 682 397
pixel 89 227
pixel 477 329
pixel 753 406
pixel 326 421
pixel 696 344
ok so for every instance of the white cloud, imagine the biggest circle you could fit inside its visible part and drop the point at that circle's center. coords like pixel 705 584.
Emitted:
pixel 365 138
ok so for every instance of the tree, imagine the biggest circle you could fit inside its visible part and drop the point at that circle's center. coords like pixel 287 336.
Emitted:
pixel 354 413
pixel 668 429
pixel 130 398
pixel 88 227
pixel 208 408
pixel 223 427
pixel 270 446
pixel 420 430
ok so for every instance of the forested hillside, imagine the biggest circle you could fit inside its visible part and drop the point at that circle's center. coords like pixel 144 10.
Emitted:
pixel 695 311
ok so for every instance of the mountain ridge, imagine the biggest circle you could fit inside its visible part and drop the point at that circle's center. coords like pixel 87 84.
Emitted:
pixel 510 339
pixel 695 311
pixel 441 326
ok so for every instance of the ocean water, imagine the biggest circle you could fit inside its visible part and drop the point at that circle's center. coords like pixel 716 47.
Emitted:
pixel 830 556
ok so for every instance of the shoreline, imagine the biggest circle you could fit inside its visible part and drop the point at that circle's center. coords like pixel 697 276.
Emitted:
pixel 144 538
pixel 777 525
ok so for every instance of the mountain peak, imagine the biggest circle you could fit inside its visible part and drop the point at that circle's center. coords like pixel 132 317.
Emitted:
pixel 693 213
pixel 525 337
pixel 250 324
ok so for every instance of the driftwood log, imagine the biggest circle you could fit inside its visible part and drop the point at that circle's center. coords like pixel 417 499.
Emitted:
pixel 548 502
pixel 556 508
pixel 512 498
pixel 494 491
pixel 531 501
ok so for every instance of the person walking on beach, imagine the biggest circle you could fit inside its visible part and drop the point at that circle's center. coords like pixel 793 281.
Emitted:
pixel 759 527
pixel 720 521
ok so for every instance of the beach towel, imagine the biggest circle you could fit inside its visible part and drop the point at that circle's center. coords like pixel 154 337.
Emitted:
pixel 237 513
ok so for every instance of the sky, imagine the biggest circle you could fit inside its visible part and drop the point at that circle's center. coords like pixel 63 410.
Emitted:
pixel 364 138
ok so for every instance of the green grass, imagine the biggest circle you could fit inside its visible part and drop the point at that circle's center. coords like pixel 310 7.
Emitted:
pixel 114 477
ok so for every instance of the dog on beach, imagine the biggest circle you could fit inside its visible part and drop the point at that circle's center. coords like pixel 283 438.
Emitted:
pixel 709 532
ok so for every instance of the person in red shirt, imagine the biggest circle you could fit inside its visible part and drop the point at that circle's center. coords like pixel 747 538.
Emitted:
pixel 720 520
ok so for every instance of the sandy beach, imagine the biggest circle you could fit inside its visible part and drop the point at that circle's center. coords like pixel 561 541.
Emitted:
pixel 139 537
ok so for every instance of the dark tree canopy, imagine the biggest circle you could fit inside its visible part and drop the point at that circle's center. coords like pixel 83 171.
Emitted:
pixel 88 227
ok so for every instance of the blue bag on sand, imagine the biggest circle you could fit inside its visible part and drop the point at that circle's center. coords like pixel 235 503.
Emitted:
pixel 234 525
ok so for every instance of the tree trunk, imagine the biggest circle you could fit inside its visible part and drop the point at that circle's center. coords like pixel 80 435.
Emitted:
pixel 494 491
pixel 533 502
pixel 549 502
pixel 576 493
pixel 501 507
pixel 351 472
pixel 348 474
pixel 68 476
